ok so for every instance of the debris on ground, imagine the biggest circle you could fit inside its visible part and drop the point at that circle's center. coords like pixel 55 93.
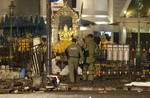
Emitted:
pixel 38 83
pixel 143 84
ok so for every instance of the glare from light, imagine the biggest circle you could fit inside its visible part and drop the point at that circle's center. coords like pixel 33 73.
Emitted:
pixel 124 30
pixel 125 12
pixel 96 16
pixel 83 28
pixel 109 33
pixel 101 16
pixel 45 22
pixel 102 22
pixel 86 15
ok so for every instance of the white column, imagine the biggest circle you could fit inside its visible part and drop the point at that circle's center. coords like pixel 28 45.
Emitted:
pixel 110 10
pixel 88 7
pixel 122 34
pixel 43 8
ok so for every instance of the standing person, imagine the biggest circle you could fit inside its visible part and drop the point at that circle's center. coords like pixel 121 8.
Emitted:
pixel 2 40
pixel 90 49
pixel 75 54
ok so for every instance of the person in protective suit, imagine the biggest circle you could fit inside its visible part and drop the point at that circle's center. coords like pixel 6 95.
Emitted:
pixel 90 49
pixel 75 54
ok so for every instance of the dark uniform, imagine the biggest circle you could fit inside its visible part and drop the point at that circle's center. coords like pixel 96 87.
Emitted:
pixel 75 54
pixel 89 66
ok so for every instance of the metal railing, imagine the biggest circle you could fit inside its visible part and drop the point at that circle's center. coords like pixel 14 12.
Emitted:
pixel 24 56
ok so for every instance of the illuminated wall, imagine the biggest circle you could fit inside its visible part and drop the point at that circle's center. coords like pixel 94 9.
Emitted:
pixel 27 7
pixel 23 7
pixel 4 7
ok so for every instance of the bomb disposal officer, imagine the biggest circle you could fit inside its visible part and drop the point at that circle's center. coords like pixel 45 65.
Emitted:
pixel 91 48
pixel 75 54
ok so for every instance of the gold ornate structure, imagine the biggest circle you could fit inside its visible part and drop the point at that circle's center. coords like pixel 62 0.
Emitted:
pixel 62 15
pixel 104 42
pixel 66 34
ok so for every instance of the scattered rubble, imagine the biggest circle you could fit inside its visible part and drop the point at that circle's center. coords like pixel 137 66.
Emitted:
pixel 10 82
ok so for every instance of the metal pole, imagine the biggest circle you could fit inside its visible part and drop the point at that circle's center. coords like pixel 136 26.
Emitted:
pixel 10 45
pixel 139 14
pixel 11 13
pixel 48 39
pixel 138 50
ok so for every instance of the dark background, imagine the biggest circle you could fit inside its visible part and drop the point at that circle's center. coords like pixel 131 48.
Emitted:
pixel 27 7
